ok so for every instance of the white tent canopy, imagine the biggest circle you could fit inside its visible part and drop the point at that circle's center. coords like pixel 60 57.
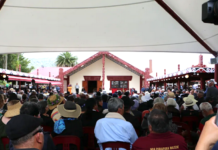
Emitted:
pixel 103 25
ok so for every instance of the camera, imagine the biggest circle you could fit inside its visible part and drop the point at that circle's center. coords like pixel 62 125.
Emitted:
pixel 210 12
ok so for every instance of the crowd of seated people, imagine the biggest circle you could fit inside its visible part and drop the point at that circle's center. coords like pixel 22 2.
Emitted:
pixel 149 120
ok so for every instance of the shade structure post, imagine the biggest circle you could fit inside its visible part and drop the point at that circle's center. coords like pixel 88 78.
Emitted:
pixel 216 73
pixel 61 76
pixel 202 83
pixel 178 84
pixel 165 85
pixel 103 71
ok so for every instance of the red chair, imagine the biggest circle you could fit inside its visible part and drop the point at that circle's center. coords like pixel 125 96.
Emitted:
pixel 191 120
pixel 5 142
pixel 91 137
pixel 66 140
pixel 116 145
pixel 184 127
pixel 176 119
pixel 47 129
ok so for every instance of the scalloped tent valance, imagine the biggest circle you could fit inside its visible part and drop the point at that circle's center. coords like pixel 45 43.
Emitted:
pixel 109 25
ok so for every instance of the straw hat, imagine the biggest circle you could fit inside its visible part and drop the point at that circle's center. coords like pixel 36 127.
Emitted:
pixel 171 94
pixel 146 97
pixel 54 100
pixel 13 110
pixel 69 109
pixel 171 102
pixel 189 101
pixel 55 115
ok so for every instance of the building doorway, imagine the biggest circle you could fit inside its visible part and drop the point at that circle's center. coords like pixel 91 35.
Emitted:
pixel 92 85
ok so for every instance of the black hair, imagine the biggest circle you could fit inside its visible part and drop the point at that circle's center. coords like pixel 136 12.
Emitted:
pixel 70 98
pixel 127 94
pixel 90 103
pixel 98 99
pixel 189 108
pixel 104 97
pixel 169 89
pixel 159 121
pixel 126 99
pixel 42 106
pixel 30 108
pixel 40 96
pixel 98 94
pixel 34 100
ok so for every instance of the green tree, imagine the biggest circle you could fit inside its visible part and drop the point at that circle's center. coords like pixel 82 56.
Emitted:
pixel 12 62
pixel 66 60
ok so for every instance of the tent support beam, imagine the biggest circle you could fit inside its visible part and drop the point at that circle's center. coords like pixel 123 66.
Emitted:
pixel 184 25
pixel 2 3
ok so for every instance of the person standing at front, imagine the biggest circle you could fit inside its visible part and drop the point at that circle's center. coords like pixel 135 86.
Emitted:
pixel 77 88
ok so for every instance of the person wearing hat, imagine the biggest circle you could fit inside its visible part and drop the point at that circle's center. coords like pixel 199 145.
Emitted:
pixel 189 102
pixel 27 134
pixel 53 101
pixel 147 102
pixel 69 124
pixel 170 95
pixel 189 107
pixel 13 109
pixel 171 107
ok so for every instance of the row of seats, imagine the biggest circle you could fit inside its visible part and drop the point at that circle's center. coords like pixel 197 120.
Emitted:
pixel 67 140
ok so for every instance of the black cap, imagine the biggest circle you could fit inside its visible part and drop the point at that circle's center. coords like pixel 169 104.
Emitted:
pixel 21 125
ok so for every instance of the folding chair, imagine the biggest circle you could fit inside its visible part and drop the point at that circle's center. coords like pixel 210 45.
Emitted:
pixel 116 145
pixel 66 140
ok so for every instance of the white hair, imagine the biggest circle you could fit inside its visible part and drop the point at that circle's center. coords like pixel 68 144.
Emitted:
pixel 205 106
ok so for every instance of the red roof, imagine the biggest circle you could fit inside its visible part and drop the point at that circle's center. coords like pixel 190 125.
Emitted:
pixel 109 56
pixel 45 71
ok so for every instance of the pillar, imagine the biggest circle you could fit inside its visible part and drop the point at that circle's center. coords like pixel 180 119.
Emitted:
pixel 49 74
pixel 37 72
pixel 19 85
pixel 157 85
pixel 178 84
pixel 164 71
pixel 216 73
pixel 103 71
pixel 156 74
pixel 165 85
pixel 68 80
pixel 61 76
pixel 146 76
pixel 140 80
pixel 202 83
pixel 150 66
pixel 185 86
pixel 178 67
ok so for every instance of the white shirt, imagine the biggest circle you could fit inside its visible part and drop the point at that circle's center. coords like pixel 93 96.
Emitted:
pixel 77 86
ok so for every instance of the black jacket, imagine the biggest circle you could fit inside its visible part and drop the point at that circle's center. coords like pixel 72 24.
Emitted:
pixel 73 127
pixel 173 111
pixel 89 120
pixel 212 92
pixel 47 121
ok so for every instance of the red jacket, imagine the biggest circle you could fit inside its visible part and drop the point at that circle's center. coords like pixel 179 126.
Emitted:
pixel 155 141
